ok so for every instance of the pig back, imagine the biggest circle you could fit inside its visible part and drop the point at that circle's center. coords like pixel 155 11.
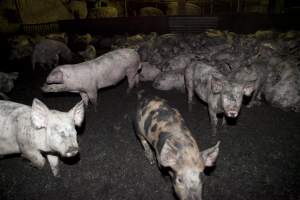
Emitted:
pixel 113 66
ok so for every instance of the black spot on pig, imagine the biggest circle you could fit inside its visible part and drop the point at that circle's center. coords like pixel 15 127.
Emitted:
pixel 154 128
pixel 148 121
pixel 165 113
pixel 162 140
pixel 178 145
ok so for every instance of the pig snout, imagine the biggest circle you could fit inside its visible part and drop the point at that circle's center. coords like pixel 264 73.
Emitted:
pixel 232 113
pixel 72 151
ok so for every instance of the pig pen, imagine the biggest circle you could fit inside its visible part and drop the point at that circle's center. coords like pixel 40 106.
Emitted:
pixel 259 155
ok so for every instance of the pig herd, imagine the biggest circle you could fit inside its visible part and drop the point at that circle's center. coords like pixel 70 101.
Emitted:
pixel 220 67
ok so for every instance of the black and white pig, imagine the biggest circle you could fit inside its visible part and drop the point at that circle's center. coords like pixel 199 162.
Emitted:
pixel 48 53
pixel 33 130
pixel 87 77
pixel 162 128
pixel 7 83
pixel 220 93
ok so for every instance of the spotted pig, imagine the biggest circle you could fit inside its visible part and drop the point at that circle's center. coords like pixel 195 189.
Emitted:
pixel 34 130
pixel 162 128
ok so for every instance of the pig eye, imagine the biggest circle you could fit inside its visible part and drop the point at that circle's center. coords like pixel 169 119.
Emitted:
pixel 179 180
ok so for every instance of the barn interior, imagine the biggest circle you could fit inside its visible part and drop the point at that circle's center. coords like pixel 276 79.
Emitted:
pixel 259 149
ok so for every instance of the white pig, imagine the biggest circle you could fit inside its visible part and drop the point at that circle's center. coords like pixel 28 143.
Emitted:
pixel 87 77
pixel 33 130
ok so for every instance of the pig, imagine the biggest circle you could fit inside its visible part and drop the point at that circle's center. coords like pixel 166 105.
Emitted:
pixel 170 80
pixel 162 128
pixel 221 94
pixel 282 87
pixel 48 53
pixel 148 72
pixel 7 83
pixel 87 77
pixel 36 131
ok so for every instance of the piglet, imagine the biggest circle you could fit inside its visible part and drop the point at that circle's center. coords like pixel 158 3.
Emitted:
pixel 162 128
pixel 87 77
pixel 33 130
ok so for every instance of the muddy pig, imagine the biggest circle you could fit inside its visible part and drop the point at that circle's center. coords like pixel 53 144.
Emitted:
pixel 33 130
pixel 162 128
pixel 7 83
pixel 221 94
pixel 282 88
pixel 148 72
pixel 170 80
pixel 256 72
pixel 87 77
pixel 48 53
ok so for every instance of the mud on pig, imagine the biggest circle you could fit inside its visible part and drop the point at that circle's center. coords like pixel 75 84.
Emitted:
pixel 220 93
pixel 33 130
pixel 162 128
pixel 87 77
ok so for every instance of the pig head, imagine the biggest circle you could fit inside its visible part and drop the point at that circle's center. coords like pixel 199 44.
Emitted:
pixel 36 129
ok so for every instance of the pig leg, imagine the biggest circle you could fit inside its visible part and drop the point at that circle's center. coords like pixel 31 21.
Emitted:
pixel 93 96
pixel 223 120
pixel 53 161
pixel 148 151
pixel 35 157
pixel 254 99
pixel 132 77
pixel 213 121
pixel 189 84
pixel 85 98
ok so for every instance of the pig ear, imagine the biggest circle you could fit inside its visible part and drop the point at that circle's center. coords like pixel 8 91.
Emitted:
pixel 210 155
pixel 39 114
pixel 249 87
pixel 168 155
pixel 55 77
pixel 216 84
pixel 77 112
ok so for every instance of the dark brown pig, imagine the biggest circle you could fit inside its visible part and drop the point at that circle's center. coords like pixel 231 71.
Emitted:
pixel 162 128
pixel 87 77
pixel 220 93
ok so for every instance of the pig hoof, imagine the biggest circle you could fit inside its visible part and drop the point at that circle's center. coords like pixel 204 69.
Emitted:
pixel 56 174
pixel 152 162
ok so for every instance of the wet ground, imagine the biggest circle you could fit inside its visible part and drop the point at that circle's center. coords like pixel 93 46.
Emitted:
pixel 259 156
